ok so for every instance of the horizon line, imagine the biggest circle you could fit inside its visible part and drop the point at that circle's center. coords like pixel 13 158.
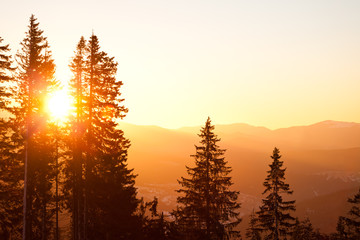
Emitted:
pixel 235 123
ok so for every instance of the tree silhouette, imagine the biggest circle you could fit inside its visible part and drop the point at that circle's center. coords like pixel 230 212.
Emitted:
pixel 31 135
pixel 154 224
pixel 253 232
pixel 349 227
pixel 208 208
pixel 274 214
pixel 103 194
pixel 10 168
pixel 74 182
pixel 304 230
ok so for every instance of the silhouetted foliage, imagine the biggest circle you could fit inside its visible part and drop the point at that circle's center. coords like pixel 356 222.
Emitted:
pixel 253 232
pixel 74 181
pixel 349 227
pixel 155 226
pixel 100 187
pixel 208 208
pixel 31 136
pixel 274 214
pixel 10 168
pixel 304 230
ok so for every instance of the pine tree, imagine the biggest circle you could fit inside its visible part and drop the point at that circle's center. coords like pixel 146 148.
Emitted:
pixel 73 186
pixel 154 225
pixel 31 135
pixel 274 214
pixel 103 185
pixel 208 208
pixel 354 219
pixel 253 232
pixel 10 168
pixel 304 230
pixel 343 231
pixel 349 227
pixel 6 71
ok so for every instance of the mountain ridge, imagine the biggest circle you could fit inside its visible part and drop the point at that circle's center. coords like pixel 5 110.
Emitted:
pixel 323 123
pixel 322 159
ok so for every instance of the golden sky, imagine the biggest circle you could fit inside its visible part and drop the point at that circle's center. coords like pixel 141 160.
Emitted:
pixel 267 63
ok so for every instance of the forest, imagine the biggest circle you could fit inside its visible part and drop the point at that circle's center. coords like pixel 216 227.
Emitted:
pixel 78 167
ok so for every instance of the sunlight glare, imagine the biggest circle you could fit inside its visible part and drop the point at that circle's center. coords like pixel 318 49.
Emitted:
pixel 59 105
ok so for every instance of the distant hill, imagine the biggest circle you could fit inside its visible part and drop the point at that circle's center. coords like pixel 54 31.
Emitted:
pixel 322 160
pixel 324 209
pixel 323 135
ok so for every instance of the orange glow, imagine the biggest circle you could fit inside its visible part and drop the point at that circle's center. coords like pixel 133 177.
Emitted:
pixel 108 112
pixel 58 105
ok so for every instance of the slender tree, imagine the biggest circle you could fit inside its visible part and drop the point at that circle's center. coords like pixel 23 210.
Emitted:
pixel 274 214
pixel 31 137
pixel 103 201
pixel 73 187
pixel 253 232
pixel 10 168
pixel 208 208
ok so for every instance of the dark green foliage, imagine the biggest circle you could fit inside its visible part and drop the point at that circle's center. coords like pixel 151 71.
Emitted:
pixel 274 214
pixel 253 232
pixel 208 209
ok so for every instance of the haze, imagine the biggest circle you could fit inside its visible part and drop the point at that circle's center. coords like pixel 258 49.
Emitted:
pixel 267 63
pixel 322 162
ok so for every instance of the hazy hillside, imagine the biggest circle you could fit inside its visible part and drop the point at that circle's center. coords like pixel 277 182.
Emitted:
pixel 321 159
pixel 324 209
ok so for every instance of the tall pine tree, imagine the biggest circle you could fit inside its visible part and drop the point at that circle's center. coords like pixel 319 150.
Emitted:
pixel 31 135
pixel 208 208
pixel 103 193
pixel 274 214
pixel 74 183
pixel 10 168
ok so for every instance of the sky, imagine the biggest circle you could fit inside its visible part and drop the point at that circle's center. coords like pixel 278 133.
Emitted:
pixel 266 63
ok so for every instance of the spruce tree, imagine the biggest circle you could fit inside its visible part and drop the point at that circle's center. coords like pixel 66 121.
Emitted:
pixel 343 231
pixel 31 136
pixel 274 214
pixel 73 186
pixel 6 71
pixel 349 226
pixel 253 232
pixel 354 218
pixel 103 186
pixel 208 208
pixel 154 225
pixel 304 230
pixel 10 168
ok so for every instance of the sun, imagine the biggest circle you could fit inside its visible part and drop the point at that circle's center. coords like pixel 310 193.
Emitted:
pixel 58 105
